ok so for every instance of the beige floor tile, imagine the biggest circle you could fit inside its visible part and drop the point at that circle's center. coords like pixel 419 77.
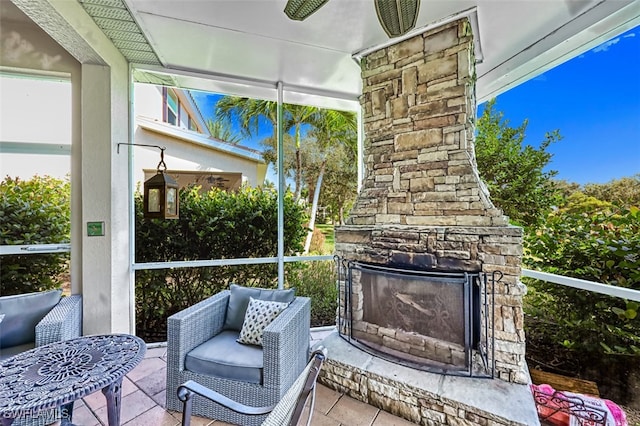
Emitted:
pixel 350 412
pixel 128 387
pixel 154 382
pixel 145 391
pixel 201 421
pixel 156 352
pixel 83 416
pixel 325 398
pixel 97 400
pixel 386 419
pixel 195 420
pixel 146 367
pixel 320 419
pixel 132 406
pixel 157 416
pixel 160 398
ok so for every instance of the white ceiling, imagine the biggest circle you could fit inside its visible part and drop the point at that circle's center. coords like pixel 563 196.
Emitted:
pixel 244 47
pixel 254 40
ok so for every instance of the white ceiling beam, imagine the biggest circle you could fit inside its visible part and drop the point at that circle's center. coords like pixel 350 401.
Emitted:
pixel 598 24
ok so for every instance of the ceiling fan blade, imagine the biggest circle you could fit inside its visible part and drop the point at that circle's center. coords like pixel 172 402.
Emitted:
pixel 397 17
pixel 300 10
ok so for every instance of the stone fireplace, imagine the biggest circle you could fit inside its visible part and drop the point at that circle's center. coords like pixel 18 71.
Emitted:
pixel 424 212
pixel 432 321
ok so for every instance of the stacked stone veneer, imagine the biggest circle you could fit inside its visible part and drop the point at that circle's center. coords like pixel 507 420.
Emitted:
pixel 425 398
pixel 422 203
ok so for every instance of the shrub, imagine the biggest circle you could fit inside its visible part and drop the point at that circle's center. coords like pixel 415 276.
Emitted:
pixel 212 225
pixel 34 211
pixel 316 280
pixel 599 246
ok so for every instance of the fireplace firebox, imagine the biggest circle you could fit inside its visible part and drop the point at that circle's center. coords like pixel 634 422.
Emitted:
pixel 434 321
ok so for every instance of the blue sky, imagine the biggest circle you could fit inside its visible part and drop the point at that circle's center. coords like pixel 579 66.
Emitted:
pixel 593 100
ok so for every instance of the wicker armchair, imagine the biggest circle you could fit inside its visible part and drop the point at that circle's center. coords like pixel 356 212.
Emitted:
pixel 284 356
pixel 286 413
pixel 62 322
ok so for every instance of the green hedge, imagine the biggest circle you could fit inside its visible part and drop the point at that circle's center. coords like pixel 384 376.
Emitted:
pixel 212 225
pixel 215 224
pixel 599 246
pixel 34 211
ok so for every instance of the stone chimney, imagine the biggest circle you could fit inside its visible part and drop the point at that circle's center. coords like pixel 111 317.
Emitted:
pixel 422 203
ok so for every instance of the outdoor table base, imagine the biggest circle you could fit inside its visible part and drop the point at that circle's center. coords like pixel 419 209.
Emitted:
pixel 113 395
pixel 58 374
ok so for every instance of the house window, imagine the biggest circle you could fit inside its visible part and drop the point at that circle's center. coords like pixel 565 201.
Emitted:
pixel 172 108
pixel 183 117
pixel 192 124
pixel 36 187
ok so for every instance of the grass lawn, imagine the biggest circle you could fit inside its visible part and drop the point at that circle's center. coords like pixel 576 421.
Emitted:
pixel 327 230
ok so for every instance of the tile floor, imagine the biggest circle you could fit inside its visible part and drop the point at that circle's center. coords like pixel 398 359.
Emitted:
pixel 143 395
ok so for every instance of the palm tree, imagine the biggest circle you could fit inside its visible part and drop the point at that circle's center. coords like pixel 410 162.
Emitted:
pixel 247 112
pixel 270 154
pixel 297 115
pixel 330 129
pixel 221 129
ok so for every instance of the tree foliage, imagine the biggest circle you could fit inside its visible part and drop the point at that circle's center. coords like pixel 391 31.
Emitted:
pixel 578 202
pixel 270 154
pixel 601 246
pixel 591 232
pixel 624 191
pixel 303 164
pixel 248 113
pixel 339 189
pixel 514 172
pixel 565 188
pixel 221 129
pixel 34 211
pixel 331 129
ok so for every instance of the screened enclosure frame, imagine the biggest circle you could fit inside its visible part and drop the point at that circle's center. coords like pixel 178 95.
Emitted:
pixel 257 89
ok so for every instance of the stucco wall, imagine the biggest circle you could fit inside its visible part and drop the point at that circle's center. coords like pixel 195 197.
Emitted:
pixel 182 155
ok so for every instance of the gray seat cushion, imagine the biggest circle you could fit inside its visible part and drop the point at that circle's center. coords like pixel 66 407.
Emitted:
pixel 14 350
pixel 223 357
pixel 22 313
pixel 239 300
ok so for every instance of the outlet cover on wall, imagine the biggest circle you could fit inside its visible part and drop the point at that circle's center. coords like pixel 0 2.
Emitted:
pixel 95 229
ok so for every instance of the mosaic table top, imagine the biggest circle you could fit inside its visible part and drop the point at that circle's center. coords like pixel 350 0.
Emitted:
pixel 61 372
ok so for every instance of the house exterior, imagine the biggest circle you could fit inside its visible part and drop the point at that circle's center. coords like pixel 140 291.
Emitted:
pixel 169 117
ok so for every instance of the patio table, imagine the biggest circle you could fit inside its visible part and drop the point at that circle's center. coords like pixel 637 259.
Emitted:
pixel 57 374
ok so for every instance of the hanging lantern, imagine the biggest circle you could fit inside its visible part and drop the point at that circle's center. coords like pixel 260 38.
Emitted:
pixel 161 194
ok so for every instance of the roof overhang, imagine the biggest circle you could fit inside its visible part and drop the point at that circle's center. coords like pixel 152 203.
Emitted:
pixel 199 139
